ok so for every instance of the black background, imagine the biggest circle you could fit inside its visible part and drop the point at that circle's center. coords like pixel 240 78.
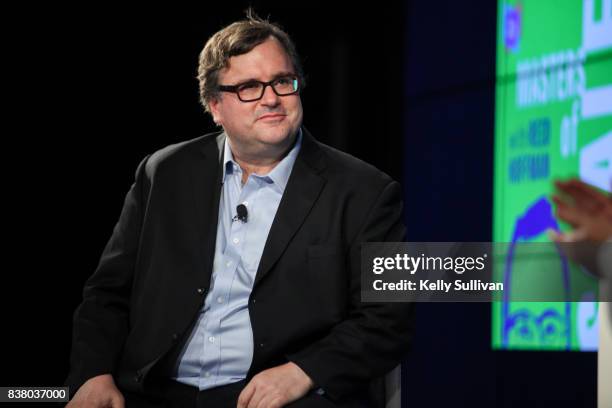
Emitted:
pixel 408 87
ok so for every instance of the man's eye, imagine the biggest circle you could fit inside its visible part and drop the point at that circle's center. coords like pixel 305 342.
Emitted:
pixel 284 81
pixel 249 85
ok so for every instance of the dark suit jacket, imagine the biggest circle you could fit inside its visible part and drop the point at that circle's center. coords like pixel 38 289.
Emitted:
pixel 140 304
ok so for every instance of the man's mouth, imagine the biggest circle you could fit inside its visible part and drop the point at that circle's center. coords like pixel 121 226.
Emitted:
pixel 272 116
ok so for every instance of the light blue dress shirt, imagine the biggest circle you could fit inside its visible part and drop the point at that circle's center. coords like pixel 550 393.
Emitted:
pixel 220 348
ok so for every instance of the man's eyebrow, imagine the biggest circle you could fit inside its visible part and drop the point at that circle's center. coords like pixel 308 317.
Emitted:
pixel 279 75
pixel 283 74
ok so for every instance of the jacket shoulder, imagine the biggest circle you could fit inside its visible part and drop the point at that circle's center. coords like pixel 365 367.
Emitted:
pixel 345 166
pixel 177 152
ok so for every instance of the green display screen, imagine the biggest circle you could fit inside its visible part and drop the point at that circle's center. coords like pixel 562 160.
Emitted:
pixel 553 121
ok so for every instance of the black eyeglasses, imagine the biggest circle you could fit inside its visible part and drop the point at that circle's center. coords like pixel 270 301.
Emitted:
pixel 253 90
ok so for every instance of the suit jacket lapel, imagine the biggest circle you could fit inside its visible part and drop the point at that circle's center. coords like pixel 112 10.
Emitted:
pixel 302 190
pixel 206 182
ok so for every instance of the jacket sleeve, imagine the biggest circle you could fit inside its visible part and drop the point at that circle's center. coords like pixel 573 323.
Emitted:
pixel 373 338
pixel 101 321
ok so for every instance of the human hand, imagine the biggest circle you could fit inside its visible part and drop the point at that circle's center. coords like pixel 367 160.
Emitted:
pixel 275 387
pixel 587 210
pixel 98 392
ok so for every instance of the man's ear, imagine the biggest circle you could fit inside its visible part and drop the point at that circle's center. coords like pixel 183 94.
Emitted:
pixel 213 105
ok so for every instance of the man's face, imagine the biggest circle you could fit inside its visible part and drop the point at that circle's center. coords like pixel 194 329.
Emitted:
pixel 262 127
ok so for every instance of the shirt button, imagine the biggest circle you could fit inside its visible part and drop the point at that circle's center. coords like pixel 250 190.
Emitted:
pixel 261 345
pixel 200 291
pixel 175 336
pixel 211 339
pixel 228 263
pixel 219 299
pixel 235 240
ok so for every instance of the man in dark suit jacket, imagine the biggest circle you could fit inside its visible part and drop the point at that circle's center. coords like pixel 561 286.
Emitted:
pixel 313 341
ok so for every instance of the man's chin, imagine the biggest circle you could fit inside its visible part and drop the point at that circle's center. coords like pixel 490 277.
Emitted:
pixel 275 135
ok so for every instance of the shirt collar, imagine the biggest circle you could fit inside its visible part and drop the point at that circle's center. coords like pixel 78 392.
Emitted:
pixel 279 175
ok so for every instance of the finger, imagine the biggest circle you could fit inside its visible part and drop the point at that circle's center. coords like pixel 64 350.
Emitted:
pixel 117 401
pixel 110 402
pixel 554 235
pixel 570 216
pixel 256 398
pixel 584 192
pixel 577 235
pixel 576 198
pixel 568 194
pixel 563 185
pixel 273 402
pixel 571 188
pixel 561 199
pixel 566 213
pixel 570 212
pixel 580 185
pixel 265 402
pixel 560 238
pixel 245 396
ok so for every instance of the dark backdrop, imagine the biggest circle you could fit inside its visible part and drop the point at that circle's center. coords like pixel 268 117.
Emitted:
pixel 408 88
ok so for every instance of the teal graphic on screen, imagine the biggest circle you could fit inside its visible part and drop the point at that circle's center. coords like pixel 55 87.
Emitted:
pixel 553 107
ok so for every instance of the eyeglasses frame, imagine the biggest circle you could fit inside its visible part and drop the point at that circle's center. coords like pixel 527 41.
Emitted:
pixel 234 88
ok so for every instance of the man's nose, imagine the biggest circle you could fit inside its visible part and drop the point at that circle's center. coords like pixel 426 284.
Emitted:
pixel 270 97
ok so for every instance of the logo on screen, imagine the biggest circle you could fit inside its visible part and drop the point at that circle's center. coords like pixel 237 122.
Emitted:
pixel 512 27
